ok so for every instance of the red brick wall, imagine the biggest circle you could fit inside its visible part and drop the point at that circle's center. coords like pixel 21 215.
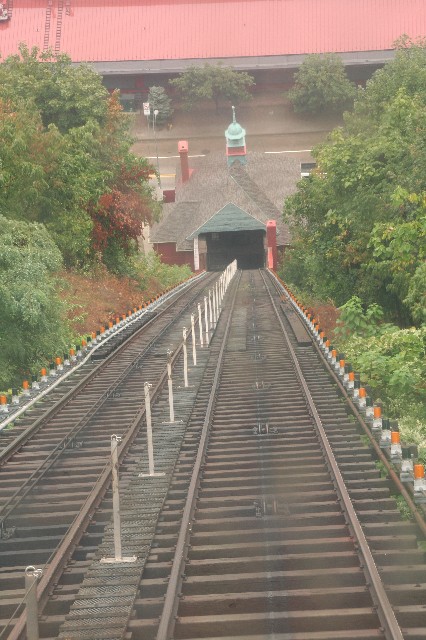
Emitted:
pixel 169 255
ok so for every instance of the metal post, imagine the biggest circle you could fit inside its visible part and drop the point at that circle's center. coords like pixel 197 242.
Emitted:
pixel 200 325
pixel 115 441
pixel 210 309
pixel 214 307
pixel 31 576
pixel 185 359
pixel 206 321
pixel 194 350
pixel 170 383
pixel 149 443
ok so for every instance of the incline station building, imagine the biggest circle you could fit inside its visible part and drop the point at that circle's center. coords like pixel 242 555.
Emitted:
pixel 135 44
pixel 227 206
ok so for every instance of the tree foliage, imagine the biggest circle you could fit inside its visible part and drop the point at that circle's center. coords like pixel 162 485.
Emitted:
pixel 160 101
pixel 359 222
pixel 321 84
pixel 213 82
pixel 32 315
pixel 65 160
pixel 49 84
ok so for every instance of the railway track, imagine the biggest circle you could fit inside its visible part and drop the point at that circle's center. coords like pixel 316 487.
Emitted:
pixel 55 461
pixel 272 519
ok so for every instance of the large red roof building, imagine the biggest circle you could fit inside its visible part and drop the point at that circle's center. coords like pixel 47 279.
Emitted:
pixel 164 36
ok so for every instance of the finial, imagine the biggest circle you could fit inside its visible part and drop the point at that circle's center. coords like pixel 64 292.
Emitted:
pixel 233 115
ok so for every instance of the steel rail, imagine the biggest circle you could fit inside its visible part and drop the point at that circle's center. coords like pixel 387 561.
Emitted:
pixel 57 563
pixel 417 512
pixel 16 444
pixel 380 598
pixel 170 599
pixel 46 464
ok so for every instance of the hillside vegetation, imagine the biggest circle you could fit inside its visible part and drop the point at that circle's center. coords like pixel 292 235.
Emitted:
pixel 359 233
pixel 71 195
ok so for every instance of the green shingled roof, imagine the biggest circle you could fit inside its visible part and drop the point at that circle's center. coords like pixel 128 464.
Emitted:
pixel 229 218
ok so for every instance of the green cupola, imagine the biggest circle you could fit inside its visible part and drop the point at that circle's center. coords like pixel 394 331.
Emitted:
pixel 235 142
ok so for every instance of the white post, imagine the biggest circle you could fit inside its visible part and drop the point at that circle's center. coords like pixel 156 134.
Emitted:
pixel 194 350
pixel 214 307
pixel 115 440
pixel 200 325
pixel 170 384
pixel 185 359
pixel 206 321
pixel 31 576
pixel 149 443
pixel 210 309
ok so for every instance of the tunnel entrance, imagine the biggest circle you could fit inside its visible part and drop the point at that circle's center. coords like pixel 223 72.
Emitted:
pixel 247 247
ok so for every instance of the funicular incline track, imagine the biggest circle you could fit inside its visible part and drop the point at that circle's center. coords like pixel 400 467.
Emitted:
pixel 59 458
pixel 275 524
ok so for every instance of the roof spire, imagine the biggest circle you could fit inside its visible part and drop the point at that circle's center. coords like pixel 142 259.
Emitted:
pixel 235 142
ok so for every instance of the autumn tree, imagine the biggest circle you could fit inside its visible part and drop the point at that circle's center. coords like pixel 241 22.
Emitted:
pixel 65 160
pixel 213 82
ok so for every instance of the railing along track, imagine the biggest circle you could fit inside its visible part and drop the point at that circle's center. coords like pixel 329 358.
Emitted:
pixel 157 373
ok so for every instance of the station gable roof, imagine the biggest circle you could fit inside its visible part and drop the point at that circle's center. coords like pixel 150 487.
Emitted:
pixel 258 189
pixel 229 218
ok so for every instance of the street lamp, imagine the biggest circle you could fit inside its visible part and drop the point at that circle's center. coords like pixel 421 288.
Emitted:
pixel 156 145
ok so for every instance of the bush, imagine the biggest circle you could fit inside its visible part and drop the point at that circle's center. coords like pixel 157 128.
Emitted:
pixel 321 84
pixel 34 328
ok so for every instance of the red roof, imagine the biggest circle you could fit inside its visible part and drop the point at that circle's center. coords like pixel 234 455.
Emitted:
pixel 119 30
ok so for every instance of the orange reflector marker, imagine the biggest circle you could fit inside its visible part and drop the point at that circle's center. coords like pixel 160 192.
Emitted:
pixel 58 361
pixel 377 412
pixel 351 376
pixel 25 385
pixel 43 372
pixel 342 364
pixel 362 392
pixel 3 400
pixel 419 471
pixel 395 437
pixel 72 352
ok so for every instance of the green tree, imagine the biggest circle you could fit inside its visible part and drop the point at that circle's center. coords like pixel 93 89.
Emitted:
pixel 358 222
pixel 213 82
pixel 321 84
pixel 33 328
pixel 159 100
pixel 65 95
